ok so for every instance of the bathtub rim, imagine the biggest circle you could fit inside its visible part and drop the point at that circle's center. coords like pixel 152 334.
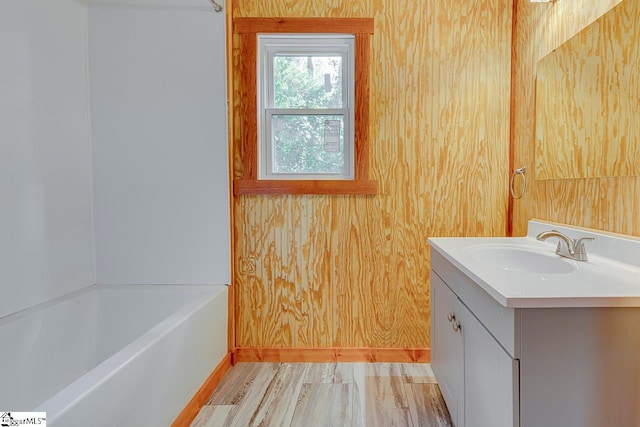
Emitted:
pixel 70 395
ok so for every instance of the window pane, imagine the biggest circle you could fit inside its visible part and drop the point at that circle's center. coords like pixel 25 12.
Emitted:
pixel 308 144
pixel 307 81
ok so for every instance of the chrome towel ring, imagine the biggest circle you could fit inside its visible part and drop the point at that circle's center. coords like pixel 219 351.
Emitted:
pixel 520 171
pixel 216 6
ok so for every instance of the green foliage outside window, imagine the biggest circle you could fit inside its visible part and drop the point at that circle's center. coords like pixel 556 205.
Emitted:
pixel 306 82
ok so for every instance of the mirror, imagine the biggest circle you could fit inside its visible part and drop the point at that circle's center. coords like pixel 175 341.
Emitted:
pixel 588 101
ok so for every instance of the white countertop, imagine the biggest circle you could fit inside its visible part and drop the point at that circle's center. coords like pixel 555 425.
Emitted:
pixel 600 282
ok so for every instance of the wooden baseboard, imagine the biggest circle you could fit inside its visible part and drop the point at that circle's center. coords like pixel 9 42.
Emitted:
pixel 190 411
pixel 364 354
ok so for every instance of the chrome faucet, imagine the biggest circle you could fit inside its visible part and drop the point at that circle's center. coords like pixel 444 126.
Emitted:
pixel 572 249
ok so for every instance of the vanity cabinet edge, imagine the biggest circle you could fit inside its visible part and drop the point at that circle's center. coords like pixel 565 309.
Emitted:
pixel 501 322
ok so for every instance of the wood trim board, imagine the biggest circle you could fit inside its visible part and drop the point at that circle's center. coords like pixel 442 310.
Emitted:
pixel 512 118
pixel 249 107
pixel 263 186
pixel 192 408
pixel 302 25
pixel 362 92
pixel 319 355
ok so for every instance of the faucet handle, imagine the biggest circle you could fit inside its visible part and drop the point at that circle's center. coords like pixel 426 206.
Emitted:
pixel 579 248
pixel 580 240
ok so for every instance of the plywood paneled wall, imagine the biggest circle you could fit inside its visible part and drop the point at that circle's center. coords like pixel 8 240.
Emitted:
pixel 352 271
pixel 611 204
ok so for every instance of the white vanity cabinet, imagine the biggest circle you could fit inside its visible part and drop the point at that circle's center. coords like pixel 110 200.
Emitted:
pixel 477 377
pixel 527 353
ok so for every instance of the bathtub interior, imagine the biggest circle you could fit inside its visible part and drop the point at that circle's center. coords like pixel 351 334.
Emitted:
pixel 49 346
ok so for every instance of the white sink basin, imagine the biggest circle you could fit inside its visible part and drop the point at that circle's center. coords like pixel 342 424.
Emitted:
pixel 522 272
pixel 521 259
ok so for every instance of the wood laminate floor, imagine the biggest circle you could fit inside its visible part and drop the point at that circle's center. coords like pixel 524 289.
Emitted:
pixel 326 394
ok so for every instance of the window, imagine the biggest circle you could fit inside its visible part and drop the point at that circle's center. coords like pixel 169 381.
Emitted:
pixel 305 106
pixel 274 112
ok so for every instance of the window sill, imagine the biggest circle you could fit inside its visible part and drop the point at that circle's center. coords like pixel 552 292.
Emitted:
pixel 327 187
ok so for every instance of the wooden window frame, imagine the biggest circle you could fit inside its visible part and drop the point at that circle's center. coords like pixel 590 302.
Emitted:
pixel 248 30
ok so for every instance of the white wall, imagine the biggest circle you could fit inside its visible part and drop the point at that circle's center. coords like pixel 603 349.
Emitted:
pixel 46 230
pixel 157 79
pixel 161 184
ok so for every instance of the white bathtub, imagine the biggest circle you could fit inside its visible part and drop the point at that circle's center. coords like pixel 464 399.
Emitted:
pixel 130 355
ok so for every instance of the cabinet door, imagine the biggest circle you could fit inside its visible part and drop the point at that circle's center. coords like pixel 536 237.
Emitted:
pixel 446 348
pixel 490 377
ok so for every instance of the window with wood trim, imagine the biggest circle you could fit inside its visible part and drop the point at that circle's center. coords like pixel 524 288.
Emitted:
pixel 259 117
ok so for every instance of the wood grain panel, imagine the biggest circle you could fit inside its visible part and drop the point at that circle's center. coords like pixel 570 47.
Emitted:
pixel 610 204
pixel 350 271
